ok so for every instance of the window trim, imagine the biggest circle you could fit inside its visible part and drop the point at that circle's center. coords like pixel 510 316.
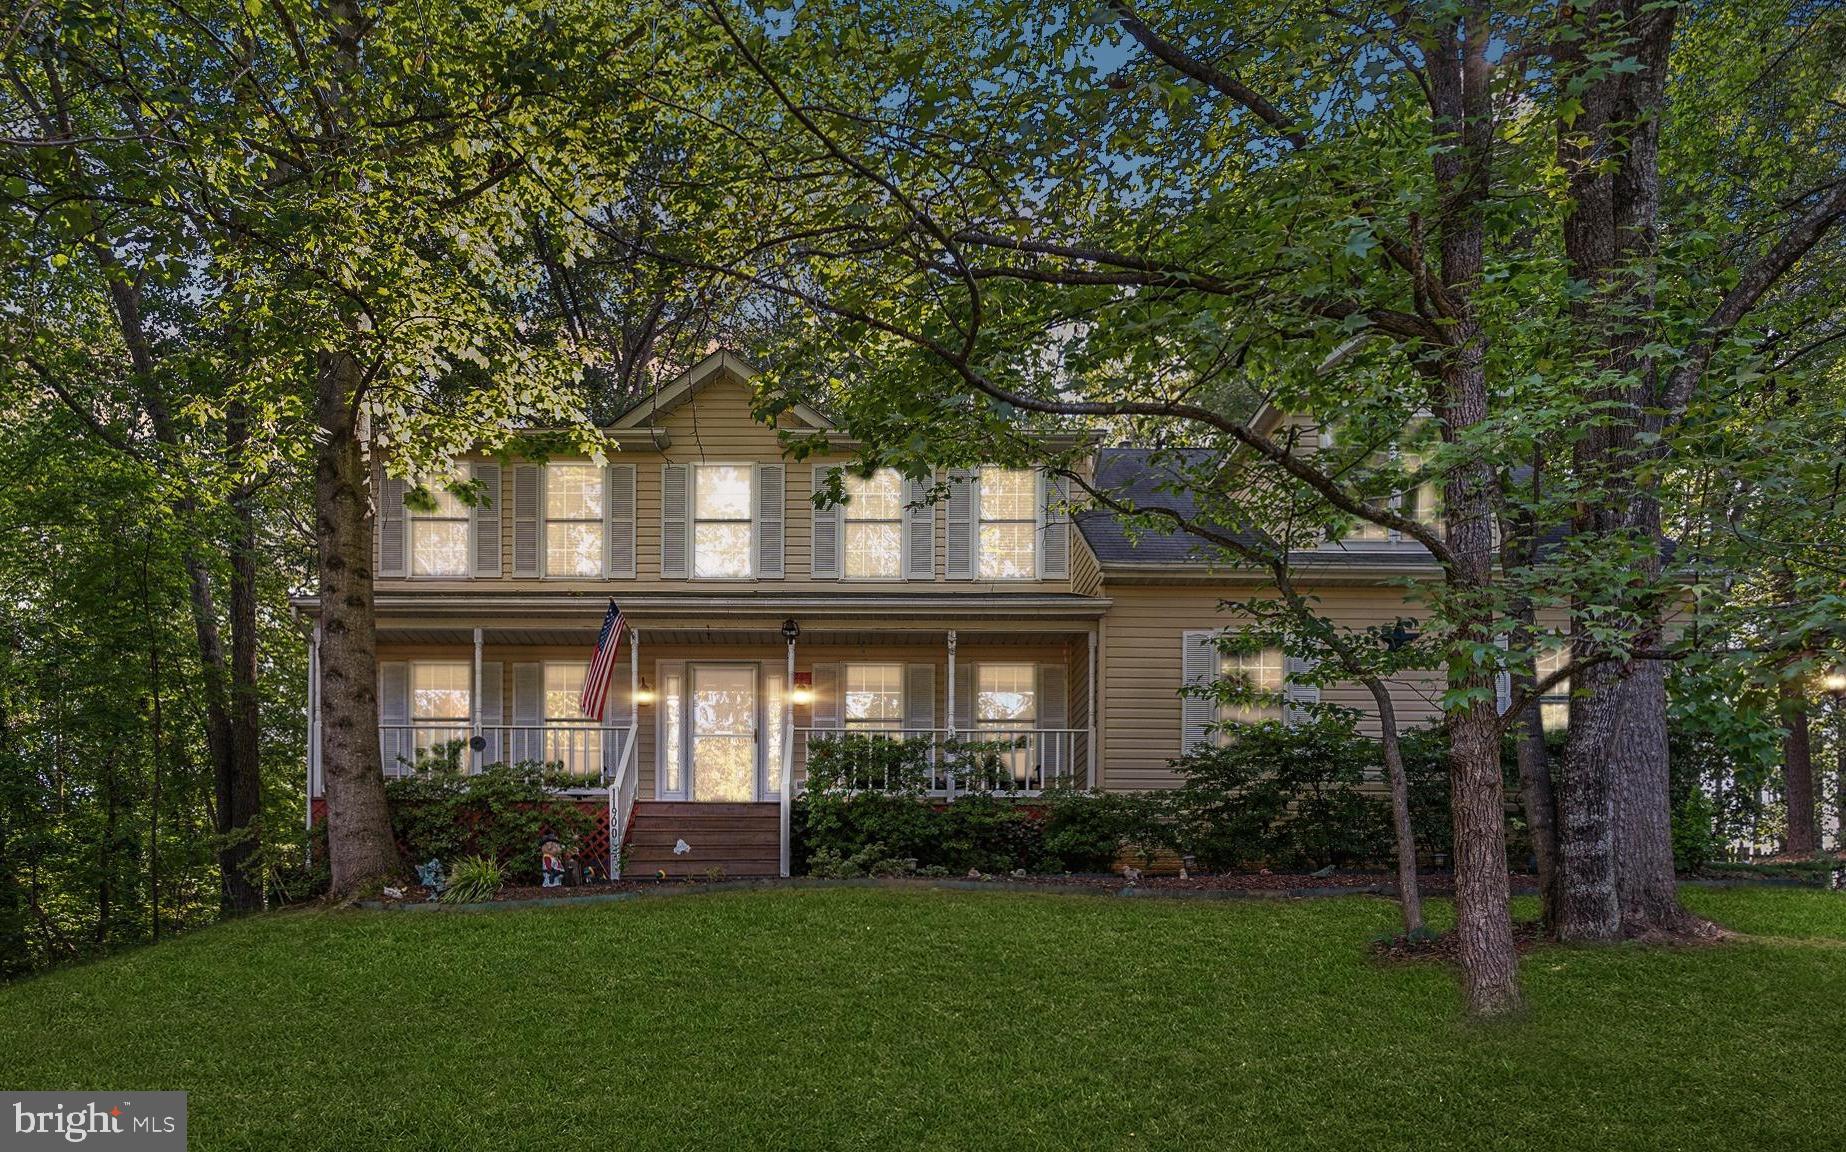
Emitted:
pixel 981 520
pixel 847 520
pixel 693 520
pixel 546 520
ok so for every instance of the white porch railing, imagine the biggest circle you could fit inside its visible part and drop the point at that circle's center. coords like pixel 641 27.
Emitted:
pixel 591 752
pixel 1009 761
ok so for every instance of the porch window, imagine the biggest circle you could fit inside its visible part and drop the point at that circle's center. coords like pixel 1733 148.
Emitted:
pixel 573 520
pixel 1260 672
pixel 1009 524
pixel 875 696
pixel 571 737
pixel 1005 697
pixel 439 703
pixel 439 538
pixel 1554 705
pixel 874 515
pixel 723 536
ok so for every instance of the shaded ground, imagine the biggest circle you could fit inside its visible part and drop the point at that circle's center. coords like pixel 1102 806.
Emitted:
pixel 918 1018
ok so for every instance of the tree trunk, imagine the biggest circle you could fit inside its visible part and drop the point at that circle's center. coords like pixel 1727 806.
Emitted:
pixel 240 788
pixel 360 845
pixel 1590 907
pixel 1647 888
pixel 1798 767
pixel 1409 895
pixel 1839 772
pixel 1539 799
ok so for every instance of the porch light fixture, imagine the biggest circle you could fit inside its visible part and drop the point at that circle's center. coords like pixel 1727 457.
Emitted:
pixel 803 689
pixel 791 631
pixel 644 694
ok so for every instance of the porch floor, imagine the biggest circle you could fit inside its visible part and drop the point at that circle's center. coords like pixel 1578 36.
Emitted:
pixel 736 839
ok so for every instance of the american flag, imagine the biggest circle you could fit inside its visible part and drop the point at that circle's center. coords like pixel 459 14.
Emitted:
pixel 596 680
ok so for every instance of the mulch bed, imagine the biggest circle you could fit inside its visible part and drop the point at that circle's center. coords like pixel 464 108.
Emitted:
pixel 1230 883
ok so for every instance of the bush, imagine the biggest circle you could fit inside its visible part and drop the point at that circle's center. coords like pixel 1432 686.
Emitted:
pixel 1087 831
pixel 502 813
pixel 1287 795
pixel 473 880
pixel 1696 842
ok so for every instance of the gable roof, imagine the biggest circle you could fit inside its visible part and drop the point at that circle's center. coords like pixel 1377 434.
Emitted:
pixel 718 365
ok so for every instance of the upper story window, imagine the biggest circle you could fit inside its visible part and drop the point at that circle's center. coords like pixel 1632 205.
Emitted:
pixel 439 538
pixel 874 696
pixel 873 515
pixel 1419 501
pixel 1554 705
pixel 573 520
pixel 723 534
pixel 1009 524
pixel 1261 674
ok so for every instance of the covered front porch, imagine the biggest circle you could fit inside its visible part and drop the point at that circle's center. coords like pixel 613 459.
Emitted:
pixel 731 711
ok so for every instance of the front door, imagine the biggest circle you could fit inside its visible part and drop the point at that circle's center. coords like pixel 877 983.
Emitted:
pixel 724 744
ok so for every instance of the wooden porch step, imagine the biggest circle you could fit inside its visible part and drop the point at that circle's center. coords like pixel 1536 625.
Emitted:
pixel 733 838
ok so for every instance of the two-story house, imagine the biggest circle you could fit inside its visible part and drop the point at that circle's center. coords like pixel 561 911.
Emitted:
pixel 757 620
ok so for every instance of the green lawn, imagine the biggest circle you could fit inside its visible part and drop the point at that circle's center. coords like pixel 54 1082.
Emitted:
pixel 860 1018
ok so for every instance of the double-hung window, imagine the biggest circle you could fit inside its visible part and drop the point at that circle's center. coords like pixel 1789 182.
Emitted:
pixel 723 533
pixel 573 520
pixel 439 537
pixel 1260 676
pixel 1006 708
pixel 874 697
pixel 440 693
pixel 571 737
pixel 1009 524
pixel 873 515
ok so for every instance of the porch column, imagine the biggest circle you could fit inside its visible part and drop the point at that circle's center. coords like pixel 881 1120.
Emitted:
pixel 786 791
pixel 475 746
pixel 1090 708
pixel 949 777
pixel 313 723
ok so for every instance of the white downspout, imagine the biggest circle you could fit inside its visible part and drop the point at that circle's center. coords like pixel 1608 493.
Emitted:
pixel 313 731
pixel 1091 709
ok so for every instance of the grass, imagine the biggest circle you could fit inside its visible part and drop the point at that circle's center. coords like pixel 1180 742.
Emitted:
pixel 870 1018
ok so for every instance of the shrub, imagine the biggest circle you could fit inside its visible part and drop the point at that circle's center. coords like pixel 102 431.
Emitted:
pixel 1696 842
pixel 473 879
pixel 1284 794
pixel 501 813
pixel 1086 831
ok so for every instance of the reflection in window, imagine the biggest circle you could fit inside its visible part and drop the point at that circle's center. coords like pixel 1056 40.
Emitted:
pixel 1009 524
pixel 573 520
pixel 874 521
pixel 571 738
pixel 1257 672
pixel 439 699
pixel 875 696
pixel 723 537
pixel 1005 696
pixel 439 539
pixel 1554 705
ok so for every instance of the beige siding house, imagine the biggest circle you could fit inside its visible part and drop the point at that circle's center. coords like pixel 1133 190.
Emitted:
pixel 758 623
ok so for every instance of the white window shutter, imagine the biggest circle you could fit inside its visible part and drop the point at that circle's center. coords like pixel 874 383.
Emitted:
pixel 394 715
pixel 1297 698
pixel 964 699
pixel 771 485
pixel 964 524
pixel 1198 668
pixel 528 741
pixel 675 482
pixel 919 531
pixel 1054 526
pixel 484 518
pixel 619 522
pixel 919 696
pixel 826 709
pixel 492 711
pixel 1054 751
pixel 527 531
pixel 393 527
pixel 828 526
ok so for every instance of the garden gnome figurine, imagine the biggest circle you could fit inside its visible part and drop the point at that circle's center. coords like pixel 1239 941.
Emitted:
pixel 551 862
